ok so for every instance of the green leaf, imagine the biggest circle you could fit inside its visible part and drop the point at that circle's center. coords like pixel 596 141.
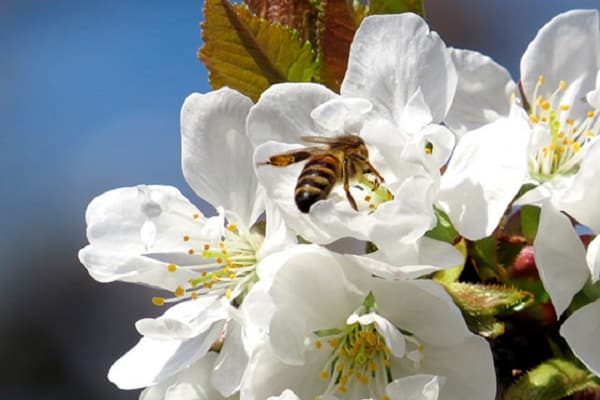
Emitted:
pixel 487 327
pixel 444 230
pixel 487 300
pixel 248 53
pixel 530 218
pixel 396 7
pixel 482 254
pixel 552 380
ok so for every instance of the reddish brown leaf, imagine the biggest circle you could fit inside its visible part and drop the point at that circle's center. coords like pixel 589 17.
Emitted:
pixel 300 15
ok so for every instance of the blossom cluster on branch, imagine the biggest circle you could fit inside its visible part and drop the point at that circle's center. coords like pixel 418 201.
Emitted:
pixel 450 254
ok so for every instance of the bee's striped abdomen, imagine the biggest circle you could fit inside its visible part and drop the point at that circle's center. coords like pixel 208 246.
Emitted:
pixel 316 180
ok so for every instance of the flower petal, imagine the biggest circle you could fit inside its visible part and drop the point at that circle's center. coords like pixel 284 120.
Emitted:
pixel 283 113
pixel 560 257
pixel 566 48
pixel 581 331
pixel 593 258
pixel 231 363
pixel 483 91
pixel 217 155
pixel 394 56
pixel 474 201
pixel 151 361
pixel 341 114
pixel 415 387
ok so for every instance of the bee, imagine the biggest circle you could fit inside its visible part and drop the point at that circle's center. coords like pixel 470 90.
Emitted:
pixel 335 159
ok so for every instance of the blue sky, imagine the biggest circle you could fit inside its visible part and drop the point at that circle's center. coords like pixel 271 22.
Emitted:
pixel 90 93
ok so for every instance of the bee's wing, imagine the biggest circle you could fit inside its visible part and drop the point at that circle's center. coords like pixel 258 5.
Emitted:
pixel 333 140
pixel 292 156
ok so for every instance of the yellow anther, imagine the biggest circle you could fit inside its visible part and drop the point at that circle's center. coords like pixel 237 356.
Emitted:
pixel 372 367
pixel 158 301
pixel 576 147
pixel 341 389
pixel 544 119
pixel 344 379
pixel 562 85
pixel 367 198
pixel 219 260
pixel 372 206
pixel 362 379
pixel 191 252
pixel 533 119
pixel 540 80
pixel 387 363
pixel 591 114
pixel 318 344
pixel 545 105
pixel 194 295
pixel 570 122
pixel 589 134
pixel 564 107
pixel 195 215
pixel 232 276
pixel 222 245
pixel 214 277
pixel 204 273
pixel 179 291
pixel 334 342
pixel 186 238
pixel 371 338
pixel 232 227
pixel 224 252
pixel 324 375
pixel 208 285
pixel 228 293
pixel 340 367
pixel 428 150
pixel 171 267
pixel 206 247
pixel 539 100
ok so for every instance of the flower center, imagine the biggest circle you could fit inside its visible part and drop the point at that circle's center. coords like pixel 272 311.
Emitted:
pixel 360 356
pixel 225 267
pixel 560 153
pixel 373 194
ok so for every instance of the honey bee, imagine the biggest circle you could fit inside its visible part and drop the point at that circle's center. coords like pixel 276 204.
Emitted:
pixel 337 159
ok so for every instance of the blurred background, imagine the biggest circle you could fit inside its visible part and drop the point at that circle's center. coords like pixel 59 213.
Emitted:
pixel 90 94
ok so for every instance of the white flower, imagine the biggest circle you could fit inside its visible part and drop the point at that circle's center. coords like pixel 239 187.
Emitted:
pixel 153 235
pixel 558 72
pixel 338 332
pixel 581 331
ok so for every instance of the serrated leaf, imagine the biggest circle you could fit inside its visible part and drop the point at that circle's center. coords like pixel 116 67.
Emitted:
pixel 487 300
pixel 300 15
pixel 488 327
pixel 483 255
pixel 552 380
pixel 530 219
pixel 248 53
pixel 335 30
pixel 396 7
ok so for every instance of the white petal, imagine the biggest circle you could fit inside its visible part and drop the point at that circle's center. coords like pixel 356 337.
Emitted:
pixel 560 257
pixel 483 91
pixel 593 96
pixel 285 395
pixel 189 384
pixel 424 308
pixel 474 201
pixel 475 379
pixel 283 113
pixel 581 331
pixel 416 114
pixel 127 226
pixel 593 258
pixel 566 48
pixel 231 363
pixel 217 155
pixel 394 339
pixel 394 56
pixel 151 361
pixel 583 195
pixel 415 387
pixel 342 114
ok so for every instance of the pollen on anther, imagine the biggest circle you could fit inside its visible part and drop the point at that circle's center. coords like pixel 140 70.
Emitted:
pixel 194 295
pixel 540 79
pixel 533 119
pixel 334 342
pixel 232 227
pixel 546 105
pixel 228 293
pixel 191 252
pixel 590 114
pixel 186 238
pixel 158 301
pixel 428 150
pixel 195 215
pixel 564 107
pixel 179 291
pixel 324 374
pixel 206 247
pixel 562 85
pixel 318 344
pixel 171 267
pixel 367 198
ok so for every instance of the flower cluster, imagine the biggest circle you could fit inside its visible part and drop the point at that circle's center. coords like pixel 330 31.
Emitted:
pixel 329 206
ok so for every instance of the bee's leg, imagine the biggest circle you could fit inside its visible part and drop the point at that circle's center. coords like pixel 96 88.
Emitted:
pixel 370 169
pixel 346 171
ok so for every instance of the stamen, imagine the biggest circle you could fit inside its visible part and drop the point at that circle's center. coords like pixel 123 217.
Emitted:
pixel 171 267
